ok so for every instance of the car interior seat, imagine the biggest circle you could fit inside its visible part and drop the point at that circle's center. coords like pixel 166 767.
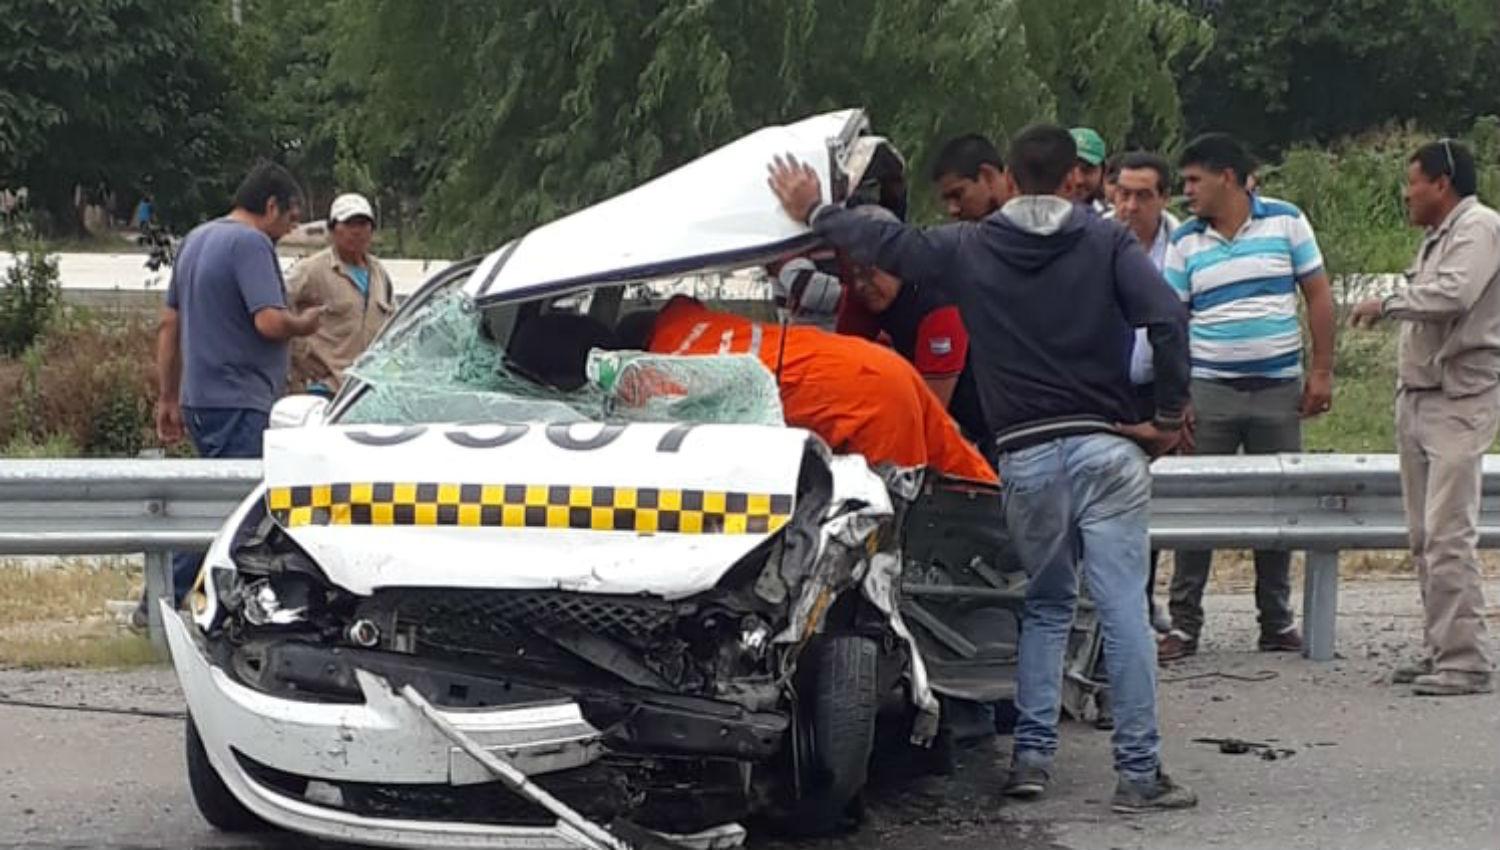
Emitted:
pixel 634 329
pixel 553 348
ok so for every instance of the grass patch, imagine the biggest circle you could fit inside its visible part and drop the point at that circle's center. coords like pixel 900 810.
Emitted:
pixel 1363 419
pixel 27 447
pixel 74 589
pixel 1364 392
pixel 54 616
pixel 91 644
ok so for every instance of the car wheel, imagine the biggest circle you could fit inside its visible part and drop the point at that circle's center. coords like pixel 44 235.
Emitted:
pixel 215 801
pixel 839 733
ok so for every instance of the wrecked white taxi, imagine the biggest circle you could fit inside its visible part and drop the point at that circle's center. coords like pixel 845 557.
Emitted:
pixel 474 604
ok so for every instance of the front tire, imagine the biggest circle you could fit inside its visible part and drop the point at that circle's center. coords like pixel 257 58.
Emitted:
pixel 215 801
pixel 839 721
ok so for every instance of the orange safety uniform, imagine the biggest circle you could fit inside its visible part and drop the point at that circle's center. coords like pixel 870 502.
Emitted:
pixel 858 396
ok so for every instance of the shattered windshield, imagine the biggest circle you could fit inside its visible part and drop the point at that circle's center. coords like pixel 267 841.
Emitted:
pixel 439 364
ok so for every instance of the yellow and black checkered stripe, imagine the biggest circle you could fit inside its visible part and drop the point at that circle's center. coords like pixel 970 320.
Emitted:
pixel 636 509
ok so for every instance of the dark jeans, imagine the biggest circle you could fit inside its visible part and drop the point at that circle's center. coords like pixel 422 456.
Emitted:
pixel 1257 421
pixel 224 432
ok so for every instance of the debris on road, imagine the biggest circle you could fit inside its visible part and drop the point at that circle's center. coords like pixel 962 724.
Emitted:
pixel 1237 747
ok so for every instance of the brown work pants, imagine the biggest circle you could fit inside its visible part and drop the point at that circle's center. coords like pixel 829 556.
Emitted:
pixel 1442 442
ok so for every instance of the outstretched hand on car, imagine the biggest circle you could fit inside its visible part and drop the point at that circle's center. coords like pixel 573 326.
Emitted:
pixel 797 186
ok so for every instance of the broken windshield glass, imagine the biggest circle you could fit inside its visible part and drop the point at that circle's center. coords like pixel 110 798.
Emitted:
pixel 438 365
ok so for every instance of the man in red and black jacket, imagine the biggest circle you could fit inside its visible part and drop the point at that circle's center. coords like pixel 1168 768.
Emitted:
pixel 920 324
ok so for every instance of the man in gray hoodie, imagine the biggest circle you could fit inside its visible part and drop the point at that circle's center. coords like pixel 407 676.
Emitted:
pixel 1051 295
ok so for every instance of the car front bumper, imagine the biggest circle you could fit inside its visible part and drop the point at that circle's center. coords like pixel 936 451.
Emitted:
pixel 383 740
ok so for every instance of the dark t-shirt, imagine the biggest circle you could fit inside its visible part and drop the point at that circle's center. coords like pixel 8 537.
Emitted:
pixel 924 327
pixel 225 274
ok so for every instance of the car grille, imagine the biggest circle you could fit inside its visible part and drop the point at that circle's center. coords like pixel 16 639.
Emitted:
pixel 449 616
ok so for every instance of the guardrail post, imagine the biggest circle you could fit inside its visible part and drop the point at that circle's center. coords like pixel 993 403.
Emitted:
pixel 158 586
pixel 1320 603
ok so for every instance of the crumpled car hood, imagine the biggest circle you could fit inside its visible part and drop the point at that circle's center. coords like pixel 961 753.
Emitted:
pixel 675 224
pixel 642 508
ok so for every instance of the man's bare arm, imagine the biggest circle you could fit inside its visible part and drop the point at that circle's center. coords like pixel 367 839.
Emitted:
pixel 943 388
pixel 1317 391
pixel 169 377
pixel 279 324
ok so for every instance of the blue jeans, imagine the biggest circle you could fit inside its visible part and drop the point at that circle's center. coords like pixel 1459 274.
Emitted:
pixel 227 432
pixel 1081 503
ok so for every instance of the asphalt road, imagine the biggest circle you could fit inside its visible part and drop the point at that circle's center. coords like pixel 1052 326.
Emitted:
pixel 1373 768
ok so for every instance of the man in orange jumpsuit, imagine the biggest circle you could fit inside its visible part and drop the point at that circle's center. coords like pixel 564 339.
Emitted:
pixel 858 396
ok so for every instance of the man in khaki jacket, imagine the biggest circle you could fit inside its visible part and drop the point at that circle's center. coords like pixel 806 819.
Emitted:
pixel 1447 408
pixel 353 287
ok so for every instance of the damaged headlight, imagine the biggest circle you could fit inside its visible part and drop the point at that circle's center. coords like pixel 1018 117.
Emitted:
pixel 276 585
pixel 755 636
pixel 264 604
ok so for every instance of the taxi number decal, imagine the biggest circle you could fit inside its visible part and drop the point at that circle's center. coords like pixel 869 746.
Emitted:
pixel 559 434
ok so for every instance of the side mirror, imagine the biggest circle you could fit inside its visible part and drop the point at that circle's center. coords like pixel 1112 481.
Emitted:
pixel 299 411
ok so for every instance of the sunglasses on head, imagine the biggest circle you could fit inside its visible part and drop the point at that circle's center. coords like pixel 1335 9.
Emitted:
pixel 1448 152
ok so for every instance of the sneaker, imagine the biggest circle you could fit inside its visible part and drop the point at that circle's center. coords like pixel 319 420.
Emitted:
pixel 1452 683
pixel 1026 781
pixel 1160 622
pixel 1157 795
pixel 1412 670
pixel 1176 646
pixel 1285 641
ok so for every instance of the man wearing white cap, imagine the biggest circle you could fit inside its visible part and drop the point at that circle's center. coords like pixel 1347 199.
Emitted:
pixel 354 287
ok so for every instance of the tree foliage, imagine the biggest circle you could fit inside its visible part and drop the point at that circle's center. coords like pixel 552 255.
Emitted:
pixel 485 117
pixel 116 93
pixel 1285 72
pixel 515 112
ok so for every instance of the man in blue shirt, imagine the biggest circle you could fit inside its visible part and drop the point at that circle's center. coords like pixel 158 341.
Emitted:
pixel 1239 264
pixel 221 352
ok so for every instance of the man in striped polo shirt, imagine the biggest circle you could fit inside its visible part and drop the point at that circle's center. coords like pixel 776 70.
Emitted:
pixel 1239 264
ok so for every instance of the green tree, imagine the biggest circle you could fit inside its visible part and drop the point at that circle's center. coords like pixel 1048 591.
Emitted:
pixel 1283 71
pixel 1113 66
pixel 513 113
pixel 118 95
pixel 299 109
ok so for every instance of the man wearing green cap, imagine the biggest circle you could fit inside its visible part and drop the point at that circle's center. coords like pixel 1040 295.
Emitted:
pixel 1087 182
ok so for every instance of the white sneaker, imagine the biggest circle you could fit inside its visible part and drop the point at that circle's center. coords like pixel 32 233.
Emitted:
pixel 1159 619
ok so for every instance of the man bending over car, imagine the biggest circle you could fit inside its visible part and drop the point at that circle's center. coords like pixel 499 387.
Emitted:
pixel 858 396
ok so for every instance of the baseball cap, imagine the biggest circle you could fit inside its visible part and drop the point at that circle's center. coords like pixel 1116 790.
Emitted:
pixel 349 206
pixel 1091 148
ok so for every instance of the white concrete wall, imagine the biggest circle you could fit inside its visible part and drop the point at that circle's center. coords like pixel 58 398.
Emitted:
pixel 128 272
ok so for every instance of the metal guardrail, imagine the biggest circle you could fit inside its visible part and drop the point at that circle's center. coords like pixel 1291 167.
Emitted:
pixel 117 507
pixel 1319 503
pixel 1293 501
pixel 120 507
